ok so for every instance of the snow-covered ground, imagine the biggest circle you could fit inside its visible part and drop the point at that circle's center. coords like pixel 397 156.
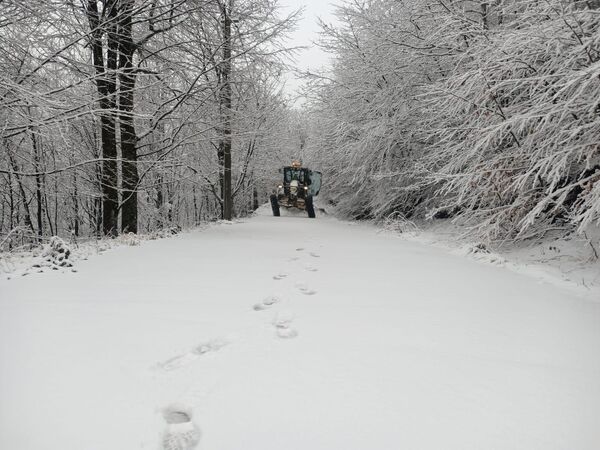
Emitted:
pixel 567 260
pixel 289 333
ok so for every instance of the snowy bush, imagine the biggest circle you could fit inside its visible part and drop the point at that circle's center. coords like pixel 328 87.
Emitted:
pixel 56 254
pixel 130 239
pixel 397 223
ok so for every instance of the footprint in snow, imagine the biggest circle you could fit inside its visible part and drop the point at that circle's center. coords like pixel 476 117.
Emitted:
pixel 299 249
pixel 311 268
pixel 280 276
pixel 283 326
pixel 314 255
pixel 182 360
pixel 303 288
pixel 180 432
pixel 266 303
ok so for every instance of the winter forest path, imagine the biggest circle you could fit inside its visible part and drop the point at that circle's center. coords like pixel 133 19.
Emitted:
pixel 298 334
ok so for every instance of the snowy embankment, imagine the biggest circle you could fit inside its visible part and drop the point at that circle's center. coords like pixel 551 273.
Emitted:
pixel 567 260
pixel 300 334
pixel 62 255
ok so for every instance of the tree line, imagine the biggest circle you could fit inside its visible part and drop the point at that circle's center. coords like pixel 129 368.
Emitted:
pixel 487 112
pixel 122 116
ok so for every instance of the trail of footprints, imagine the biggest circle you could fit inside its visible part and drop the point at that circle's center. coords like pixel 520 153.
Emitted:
pixel 181 432
pixel 282 322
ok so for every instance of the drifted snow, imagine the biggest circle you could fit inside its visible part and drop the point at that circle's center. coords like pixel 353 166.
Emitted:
pixel 296 334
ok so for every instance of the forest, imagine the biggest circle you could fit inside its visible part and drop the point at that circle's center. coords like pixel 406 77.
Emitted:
pixel 131 116
pixel 485 112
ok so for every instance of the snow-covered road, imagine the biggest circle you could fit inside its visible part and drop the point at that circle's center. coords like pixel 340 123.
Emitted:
pixel 296 334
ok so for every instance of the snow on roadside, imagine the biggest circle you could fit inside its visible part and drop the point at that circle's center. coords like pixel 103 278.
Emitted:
pixel 570 262
pixel 51 255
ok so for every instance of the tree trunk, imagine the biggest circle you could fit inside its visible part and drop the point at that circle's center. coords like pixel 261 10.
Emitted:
pixel 160 222
pixel 12 203
pixel 106 86
pixel 226 112
pixel 15 168
pixel 484 16
pixel 196 211
pixel 75 206
pixel 38 186
pixel 129 213
pixel 221 159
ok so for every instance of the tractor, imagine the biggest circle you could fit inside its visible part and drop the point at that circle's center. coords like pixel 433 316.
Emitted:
pixel 298 189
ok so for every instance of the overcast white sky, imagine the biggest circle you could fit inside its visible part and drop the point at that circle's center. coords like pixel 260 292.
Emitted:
pixel 312 58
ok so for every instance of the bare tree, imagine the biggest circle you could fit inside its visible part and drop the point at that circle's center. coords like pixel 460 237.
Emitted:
pixel 112 113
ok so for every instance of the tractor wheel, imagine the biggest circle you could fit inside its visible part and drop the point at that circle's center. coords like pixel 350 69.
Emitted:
pixel 275 205
pixel 310 207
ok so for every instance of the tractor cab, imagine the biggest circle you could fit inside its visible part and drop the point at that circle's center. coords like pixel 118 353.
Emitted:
pixel 297 190
pixel 308 180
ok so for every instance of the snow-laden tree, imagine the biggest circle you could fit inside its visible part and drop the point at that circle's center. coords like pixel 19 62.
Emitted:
pixel 112 112
pixel 484 112
pixel 518 145
pixel 369 106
